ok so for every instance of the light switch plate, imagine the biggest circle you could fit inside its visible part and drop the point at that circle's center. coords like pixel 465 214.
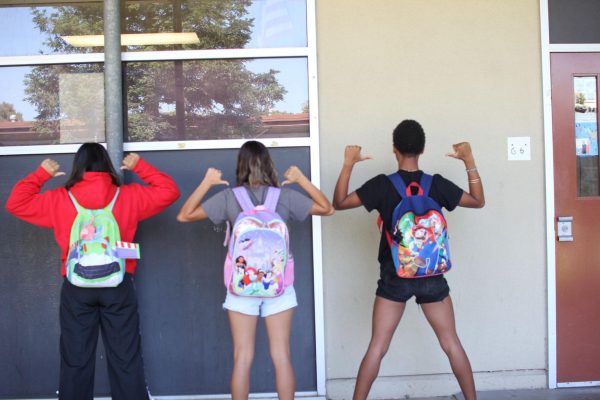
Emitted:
pixel 519 148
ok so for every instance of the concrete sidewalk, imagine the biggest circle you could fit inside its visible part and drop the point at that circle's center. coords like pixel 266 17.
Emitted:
pixel 538 394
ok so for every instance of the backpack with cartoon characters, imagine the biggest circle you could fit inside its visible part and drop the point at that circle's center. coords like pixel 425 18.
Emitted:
pixel 258 261
pixel 93 260
pixel 419 238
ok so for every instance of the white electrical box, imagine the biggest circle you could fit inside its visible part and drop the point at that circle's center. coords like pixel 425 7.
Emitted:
pixel 519 148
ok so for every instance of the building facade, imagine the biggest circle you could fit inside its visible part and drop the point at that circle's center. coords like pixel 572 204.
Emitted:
pixel 308 77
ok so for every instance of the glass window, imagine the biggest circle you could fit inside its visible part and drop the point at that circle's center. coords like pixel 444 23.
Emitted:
pixel 188 99
pixel 586 135
pixel 51 104
pixel 214 24
pixel 216 99
pixel 46 29
pixel 154 25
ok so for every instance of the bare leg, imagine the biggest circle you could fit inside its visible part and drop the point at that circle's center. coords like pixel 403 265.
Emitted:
pixel 386 316
pixel 279 327
pixel 441 318
pixel 243 332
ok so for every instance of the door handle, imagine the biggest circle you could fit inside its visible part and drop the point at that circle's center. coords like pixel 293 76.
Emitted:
pixel 564 228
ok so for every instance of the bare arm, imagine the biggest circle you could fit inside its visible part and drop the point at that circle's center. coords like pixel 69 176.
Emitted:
pixel 341 199
pixel 474 198
pixel 191 209
pixel 321 205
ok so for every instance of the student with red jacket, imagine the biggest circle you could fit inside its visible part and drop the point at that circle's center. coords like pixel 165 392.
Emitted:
pixel 84 311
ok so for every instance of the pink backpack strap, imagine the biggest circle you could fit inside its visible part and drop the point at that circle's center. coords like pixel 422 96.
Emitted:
pixel 272 198
pixel 241 195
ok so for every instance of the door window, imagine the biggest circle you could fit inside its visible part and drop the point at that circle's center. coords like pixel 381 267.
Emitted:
pixel 586 134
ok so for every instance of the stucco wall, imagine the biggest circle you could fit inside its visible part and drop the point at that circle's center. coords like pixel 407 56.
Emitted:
pixel 467 70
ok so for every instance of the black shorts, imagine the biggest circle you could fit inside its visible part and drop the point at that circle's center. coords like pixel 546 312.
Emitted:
pixel 425 290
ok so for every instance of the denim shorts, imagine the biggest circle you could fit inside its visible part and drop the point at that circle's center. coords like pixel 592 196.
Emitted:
pixel 263 306
pixel 425 290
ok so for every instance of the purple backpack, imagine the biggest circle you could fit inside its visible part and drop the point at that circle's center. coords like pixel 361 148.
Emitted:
pixel 258 262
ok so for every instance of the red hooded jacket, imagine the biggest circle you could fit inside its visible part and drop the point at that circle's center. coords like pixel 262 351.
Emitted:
pixel 54 209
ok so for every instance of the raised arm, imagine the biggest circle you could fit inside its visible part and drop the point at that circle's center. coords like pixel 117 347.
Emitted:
pixel 191 209
pixel 25 200
pixel 160 192
pixel 475 197
pixel 341 199
pixel 321 205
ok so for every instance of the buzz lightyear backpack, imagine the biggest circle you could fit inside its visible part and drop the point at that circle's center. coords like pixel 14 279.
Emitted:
pixel 92 260
pixel 419 238
pixel 258 262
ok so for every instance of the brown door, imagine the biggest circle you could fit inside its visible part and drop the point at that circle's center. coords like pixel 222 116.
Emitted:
pixel 575 81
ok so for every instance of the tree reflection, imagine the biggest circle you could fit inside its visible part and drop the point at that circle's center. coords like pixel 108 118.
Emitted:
pixel 166 100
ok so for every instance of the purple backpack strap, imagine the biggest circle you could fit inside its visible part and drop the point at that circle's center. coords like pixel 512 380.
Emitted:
pixel 241 195
pixel 272 198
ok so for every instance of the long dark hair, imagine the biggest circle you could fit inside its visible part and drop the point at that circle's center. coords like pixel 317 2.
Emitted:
pixel 255 166
pixel 91 157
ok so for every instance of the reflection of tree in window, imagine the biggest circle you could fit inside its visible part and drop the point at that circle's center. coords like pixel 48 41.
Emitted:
pixel 43 89
pixel 169 99
pixel 8 112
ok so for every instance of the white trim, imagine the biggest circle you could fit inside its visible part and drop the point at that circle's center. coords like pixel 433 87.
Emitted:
pixel 17 61
pixel 315 171
pixel 217 54
pixel 297 395
pixel 549 177
pixel 159 146
pixel 573 48
pixel 578 384
pixel 39 149
pixel 213 144
pixel 269 396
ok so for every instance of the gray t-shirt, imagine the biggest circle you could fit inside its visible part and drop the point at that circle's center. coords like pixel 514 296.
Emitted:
pixel 223 206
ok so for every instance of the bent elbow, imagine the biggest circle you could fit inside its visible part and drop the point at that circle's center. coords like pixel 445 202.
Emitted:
pixel 174 195
pixel 9 207
pixel 337 205
pixel 182 218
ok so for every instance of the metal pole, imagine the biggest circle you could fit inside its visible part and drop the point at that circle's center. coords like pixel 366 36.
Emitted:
pixel 113 85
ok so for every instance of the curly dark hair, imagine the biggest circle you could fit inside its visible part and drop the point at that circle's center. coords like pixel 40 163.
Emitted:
pixel 409 137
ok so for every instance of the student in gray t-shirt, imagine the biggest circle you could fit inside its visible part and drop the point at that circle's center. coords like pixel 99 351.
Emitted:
pixel 223 206
pixel 255 171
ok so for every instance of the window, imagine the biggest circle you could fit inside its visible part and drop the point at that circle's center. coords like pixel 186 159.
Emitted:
pixel 193 70
pixel 51 104
pixel 216 99
pixel 586 134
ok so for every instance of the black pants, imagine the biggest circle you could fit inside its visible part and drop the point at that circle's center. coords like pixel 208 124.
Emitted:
pixel 83 311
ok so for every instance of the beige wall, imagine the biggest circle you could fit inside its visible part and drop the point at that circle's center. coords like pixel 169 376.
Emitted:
pixel 467 70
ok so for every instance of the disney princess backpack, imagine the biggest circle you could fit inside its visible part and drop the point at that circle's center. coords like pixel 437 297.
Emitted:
pixel 419 238
pixel 258 261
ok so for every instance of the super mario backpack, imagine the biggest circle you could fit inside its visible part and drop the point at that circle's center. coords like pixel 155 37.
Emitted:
pixel 258 261
pixel 93 260
pixel 419 238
